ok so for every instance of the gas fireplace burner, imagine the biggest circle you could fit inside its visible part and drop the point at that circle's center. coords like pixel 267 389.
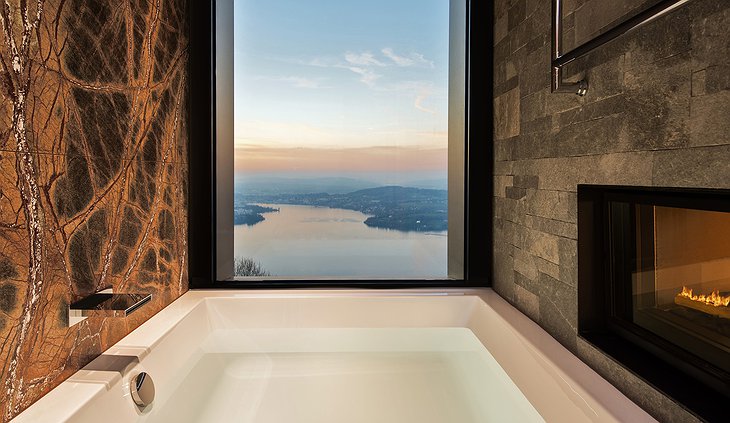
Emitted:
pixel 654 286
pixel 715 304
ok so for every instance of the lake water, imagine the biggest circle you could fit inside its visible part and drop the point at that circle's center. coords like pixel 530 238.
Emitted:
pixel 318 241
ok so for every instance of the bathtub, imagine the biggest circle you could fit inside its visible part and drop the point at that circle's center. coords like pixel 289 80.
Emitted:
pixel 339 356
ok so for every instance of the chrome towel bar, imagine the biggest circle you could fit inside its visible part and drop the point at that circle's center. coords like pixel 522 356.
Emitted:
pixel 560 59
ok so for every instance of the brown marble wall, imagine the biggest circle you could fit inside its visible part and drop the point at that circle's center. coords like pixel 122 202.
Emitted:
pixel 93 177
pixel 656 114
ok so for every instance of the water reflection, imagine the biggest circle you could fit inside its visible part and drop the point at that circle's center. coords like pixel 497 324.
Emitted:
pixel 318 241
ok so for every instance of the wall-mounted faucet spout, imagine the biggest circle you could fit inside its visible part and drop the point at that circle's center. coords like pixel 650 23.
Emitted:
pixel 105 303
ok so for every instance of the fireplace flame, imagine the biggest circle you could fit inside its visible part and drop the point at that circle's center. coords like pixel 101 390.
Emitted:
pixel 714 299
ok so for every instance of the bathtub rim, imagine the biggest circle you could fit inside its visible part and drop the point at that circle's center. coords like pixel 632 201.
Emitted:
pixel 585 384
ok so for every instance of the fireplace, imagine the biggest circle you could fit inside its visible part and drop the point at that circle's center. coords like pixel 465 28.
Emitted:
pixel 654 286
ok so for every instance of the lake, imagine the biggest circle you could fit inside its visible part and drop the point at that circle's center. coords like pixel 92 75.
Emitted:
pixel 305 241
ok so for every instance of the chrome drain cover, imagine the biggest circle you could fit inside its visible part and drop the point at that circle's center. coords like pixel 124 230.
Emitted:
pixel 142 389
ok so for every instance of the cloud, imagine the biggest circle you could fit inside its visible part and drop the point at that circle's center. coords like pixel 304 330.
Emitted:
pixel 362 59
pixel 413 59
pixel 364 65
pixel 418 102
pixel 252 158
pixel 300 82
pixel 421 91
pixel 361 63
pixel 296 81
pixel 358 63
pixel 290 134
pixel 367 76
pixel 320 62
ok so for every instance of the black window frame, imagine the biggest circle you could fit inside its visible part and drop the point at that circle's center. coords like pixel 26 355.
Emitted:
pixel 478 168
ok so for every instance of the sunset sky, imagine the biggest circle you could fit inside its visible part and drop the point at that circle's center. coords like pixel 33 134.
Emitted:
pixel 337 86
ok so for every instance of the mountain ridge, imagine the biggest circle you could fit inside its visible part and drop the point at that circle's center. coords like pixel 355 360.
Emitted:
pixel 388 207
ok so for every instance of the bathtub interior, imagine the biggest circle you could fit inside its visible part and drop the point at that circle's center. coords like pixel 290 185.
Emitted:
pixel 208 327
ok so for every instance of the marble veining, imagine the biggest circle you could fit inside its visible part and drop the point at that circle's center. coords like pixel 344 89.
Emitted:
pixel 93 177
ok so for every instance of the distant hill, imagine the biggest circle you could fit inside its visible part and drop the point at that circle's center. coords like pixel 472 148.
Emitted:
pixel 389 207
pixel 262 185
pixel 397 194
pixel 250 214
pixel 429 183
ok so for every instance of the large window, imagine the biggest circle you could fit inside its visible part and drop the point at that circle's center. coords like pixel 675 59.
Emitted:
pixel 340 150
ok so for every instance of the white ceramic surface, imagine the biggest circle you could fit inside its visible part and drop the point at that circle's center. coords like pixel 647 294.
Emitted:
pixel 297 346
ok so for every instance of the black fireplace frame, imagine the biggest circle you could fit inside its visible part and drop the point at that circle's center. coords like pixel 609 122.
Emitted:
pixel 602 296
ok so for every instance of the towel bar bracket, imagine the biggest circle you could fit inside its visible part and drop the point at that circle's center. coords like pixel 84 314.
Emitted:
pixel 560 59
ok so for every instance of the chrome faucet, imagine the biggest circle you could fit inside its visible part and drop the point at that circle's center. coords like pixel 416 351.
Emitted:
pixel 105 303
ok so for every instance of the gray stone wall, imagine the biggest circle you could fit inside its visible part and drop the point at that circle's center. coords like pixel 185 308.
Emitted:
pixel 657 114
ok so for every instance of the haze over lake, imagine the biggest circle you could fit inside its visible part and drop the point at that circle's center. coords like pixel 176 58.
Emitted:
pixel 326 242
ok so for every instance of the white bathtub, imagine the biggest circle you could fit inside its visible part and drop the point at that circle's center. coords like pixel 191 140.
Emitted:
pixel 351 355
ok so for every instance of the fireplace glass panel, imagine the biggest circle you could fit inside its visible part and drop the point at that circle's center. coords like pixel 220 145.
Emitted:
pixel 680 279
pixel 648 259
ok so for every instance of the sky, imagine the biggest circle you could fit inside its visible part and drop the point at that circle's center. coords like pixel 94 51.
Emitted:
pixel 341 87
